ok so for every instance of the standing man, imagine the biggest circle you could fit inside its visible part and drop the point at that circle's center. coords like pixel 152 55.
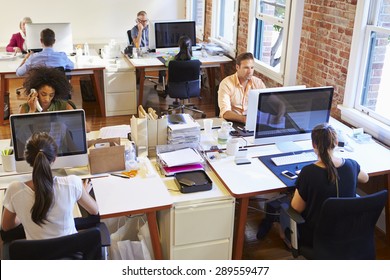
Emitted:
pixel 233 90
pixel 47 57
pixel 140 32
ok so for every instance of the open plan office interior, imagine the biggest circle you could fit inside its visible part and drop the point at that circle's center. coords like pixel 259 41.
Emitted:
pixel 334 56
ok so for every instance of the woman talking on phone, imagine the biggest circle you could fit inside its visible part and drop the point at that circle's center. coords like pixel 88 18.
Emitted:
pixel 44 205
pixel 47 86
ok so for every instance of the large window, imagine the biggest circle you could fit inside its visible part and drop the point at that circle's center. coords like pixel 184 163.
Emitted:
pixel 224 24
pixel 274 38
pixel 367 96
pixel 196 12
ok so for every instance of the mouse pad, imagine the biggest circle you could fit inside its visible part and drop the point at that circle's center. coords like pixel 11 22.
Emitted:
pixel 277 170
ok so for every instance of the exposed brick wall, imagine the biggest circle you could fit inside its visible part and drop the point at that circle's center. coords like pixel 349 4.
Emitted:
pixel 325 43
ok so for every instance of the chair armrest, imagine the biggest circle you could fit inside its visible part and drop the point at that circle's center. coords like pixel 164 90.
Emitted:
pixel 104 234
pixel 295 219
pixel 295 216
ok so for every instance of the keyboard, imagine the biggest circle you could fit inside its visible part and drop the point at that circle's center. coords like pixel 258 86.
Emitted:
pixel 292 159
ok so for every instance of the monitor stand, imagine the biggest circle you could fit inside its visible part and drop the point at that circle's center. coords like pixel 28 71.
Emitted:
pixel 288 146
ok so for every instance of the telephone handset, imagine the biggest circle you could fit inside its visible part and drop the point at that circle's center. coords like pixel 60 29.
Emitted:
pixel 39 107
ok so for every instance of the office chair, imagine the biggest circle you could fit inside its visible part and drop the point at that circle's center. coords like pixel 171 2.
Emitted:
pixel 345 228
pixel 184 83
pixel 90 242
pixel 84 245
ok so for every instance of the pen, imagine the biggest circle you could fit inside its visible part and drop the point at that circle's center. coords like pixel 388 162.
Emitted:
pixel 120 175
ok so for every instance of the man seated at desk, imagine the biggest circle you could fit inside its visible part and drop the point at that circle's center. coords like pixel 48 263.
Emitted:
pixel 47 57
pixel 234 89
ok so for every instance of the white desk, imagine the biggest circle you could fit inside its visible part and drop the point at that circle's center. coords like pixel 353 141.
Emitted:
pixel 246 181
pixel 86 65
pixel 150 62
pixel 118 197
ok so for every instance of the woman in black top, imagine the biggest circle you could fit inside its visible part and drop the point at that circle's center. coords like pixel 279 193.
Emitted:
pixel 330 176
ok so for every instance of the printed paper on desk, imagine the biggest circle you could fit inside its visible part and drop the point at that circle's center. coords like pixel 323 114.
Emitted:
pixel 146 62
pixel 181 157
pixel 120 131
pixel 189 122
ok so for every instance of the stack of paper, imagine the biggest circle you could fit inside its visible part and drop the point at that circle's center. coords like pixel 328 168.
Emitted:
pixel 181 160
pixel 185 131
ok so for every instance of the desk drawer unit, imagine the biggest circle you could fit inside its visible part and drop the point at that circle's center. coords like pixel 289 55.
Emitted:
pixel 120 93
pixel 198 230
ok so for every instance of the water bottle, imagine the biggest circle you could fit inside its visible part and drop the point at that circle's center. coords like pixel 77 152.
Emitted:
pixel 86 49
pixel 130 158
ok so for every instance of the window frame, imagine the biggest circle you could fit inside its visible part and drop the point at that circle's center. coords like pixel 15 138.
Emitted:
pixel 189 15
pixel 291 42
pixel 352 114
pixel 230 47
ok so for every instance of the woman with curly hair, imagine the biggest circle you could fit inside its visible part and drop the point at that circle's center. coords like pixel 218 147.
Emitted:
pixel 51 90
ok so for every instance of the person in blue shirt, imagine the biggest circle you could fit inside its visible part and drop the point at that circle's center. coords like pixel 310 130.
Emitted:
pixel 47 57
pixel 140 32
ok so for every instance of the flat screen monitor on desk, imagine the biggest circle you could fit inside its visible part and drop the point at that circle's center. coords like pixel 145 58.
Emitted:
pixel 66 127
pixel 164 35
pixel 63 35
pixel 287 116
pixel 253 99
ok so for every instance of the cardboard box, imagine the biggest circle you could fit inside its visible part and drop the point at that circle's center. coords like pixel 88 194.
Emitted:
pixel 106 159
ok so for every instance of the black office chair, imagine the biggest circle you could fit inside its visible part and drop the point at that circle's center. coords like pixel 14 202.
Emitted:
pixel 85 245
pixel 90 242
pixel 345 228
pixel 184 83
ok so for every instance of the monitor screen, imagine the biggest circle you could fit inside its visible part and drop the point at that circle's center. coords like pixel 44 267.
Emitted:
pixel 253 98
pixel 167 33
pixel 63 33
pixel 66 127
pixel 291 115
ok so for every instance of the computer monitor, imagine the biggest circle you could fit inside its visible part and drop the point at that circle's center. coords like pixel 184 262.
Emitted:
pixel 290 115
pixel 66 127
pixel 165 34
pixel 253 99
pixel 63 33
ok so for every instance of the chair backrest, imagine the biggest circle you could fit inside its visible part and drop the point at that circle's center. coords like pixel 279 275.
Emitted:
pixel 129 36
pixel 346 227
pixel 184 79
pixel 85 244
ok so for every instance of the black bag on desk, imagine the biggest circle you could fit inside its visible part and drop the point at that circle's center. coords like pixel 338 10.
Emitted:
pixel 193 181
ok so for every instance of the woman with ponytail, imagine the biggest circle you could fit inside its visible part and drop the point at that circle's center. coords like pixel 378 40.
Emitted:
pixel 44 205
pixel 329 176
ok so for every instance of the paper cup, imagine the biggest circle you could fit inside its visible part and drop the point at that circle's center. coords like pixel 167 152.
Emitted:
pixel 208 126
pixel 8 163
pixel 232 146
